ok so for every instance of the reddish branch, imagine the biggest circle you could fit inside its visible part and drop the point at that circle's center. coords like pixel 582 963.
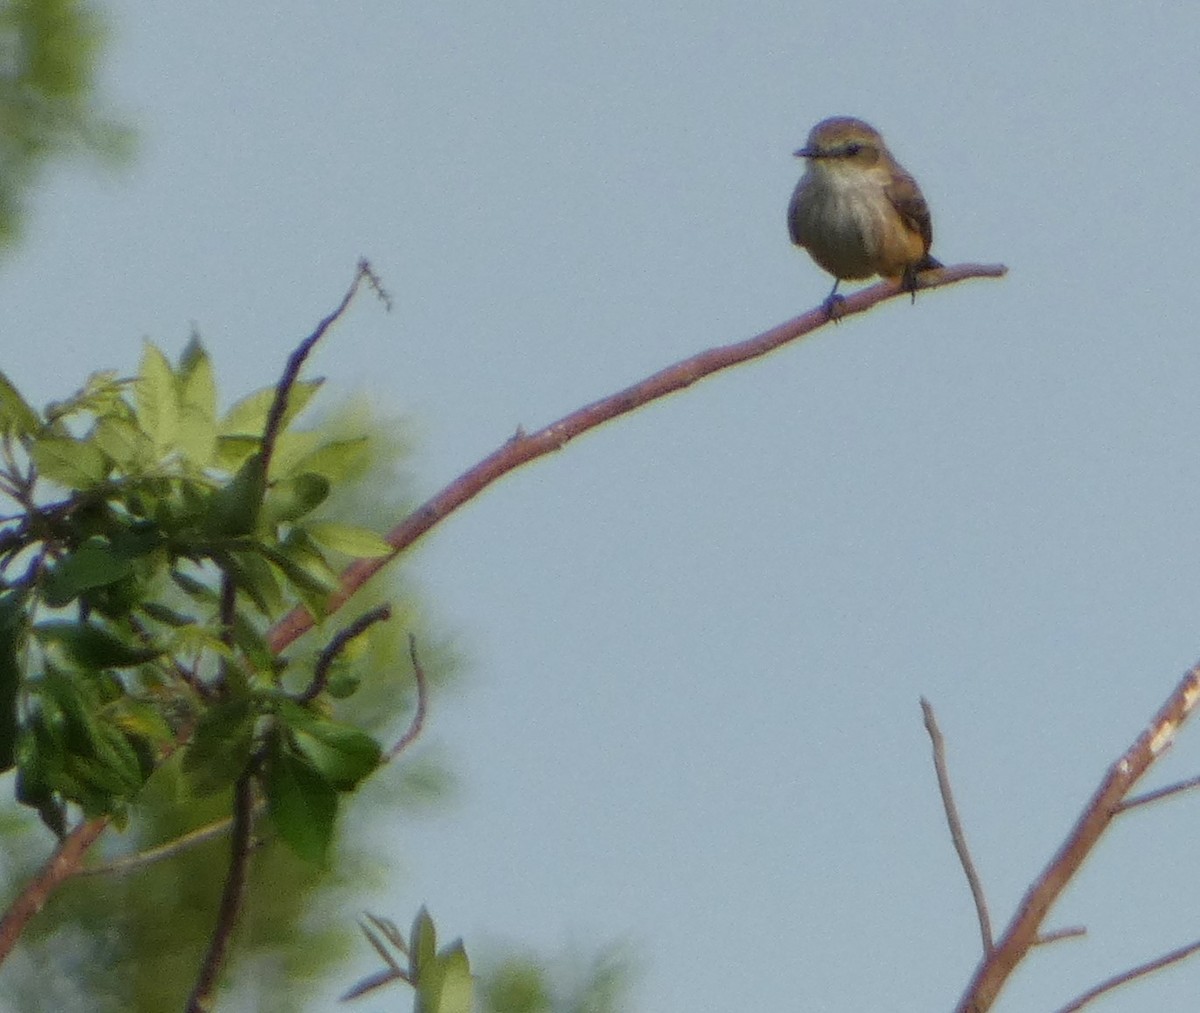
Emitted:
pixel 519 450
pixel 1022 933
pixel 525 447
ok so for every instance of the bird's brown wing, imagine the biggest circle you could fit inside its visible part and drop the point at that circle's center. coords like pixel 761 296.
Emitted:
pixel 906 197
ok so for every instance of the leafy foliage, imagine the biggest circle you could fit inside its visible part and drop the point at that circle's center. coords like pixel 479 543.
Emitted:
pixel 48 51
pixel 133 609
pixel 440 977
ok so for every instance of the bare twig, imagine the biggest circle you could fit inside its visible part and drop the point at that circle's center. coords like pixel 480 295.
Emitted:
pixel 201 998
pixel 1058 935
pixel 522 448
pixel 1022 932
pixel 1125 977
pixel 955 823
pixel 418 721
pixel 130 863
pixel 337 645
pixel 1157 795
pixel 393 971
pixel 291 372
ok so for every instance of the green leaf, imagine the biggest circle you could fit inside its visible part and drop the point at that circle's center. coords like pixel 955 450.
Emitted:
pixel 121 441
pixel 257 580
pixel 235 506
pixel 303 805
pixel 422 943
pixel 220 749
pixel 249 416
pixel 446 986
pixel 292 498
pixel 92 648
pixel 167 616
pixel 306 571
pixel 16 416
pixel 518 985
pixel 93 564
pixel 341 753
pixel 73 464
pixel 232 451
pixel 12 626
pixel 198 406
pixel 336 460
pixel 143 720
pixel 197 589
pixel 350 539
pixel 157 401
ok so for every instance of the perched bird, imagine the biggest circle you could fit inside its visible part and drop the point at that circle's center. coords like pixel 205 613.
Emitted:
pixel 856 210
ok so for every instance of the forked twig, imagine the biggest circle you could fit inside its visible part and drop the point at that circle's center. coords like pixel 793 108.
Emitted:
pixel 291 372
pixel 1022 932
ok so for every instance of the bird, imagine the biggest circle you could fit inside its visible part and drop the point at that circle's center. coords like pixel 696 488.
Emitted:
pixel 857 211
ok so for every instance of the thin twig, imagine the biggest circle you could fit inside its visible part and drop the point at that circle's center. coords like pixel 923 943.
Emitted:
pixel 130 863
pixel 522 448
pixel 1157 795
pixel 1125 977
pixel 418 720
pixel 337 645
pixel 234 891
pixel 291 372
pixel 956 828
pixel 393 971
pixel 1022 932
pixel 1058 935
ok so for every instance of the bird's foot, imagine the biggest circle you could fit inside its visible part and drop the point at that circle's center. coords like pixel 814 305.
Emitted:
pixel 833 307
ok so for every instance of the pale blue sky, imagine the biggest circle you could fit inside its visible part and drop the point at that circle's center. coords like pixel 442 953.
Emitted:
pixel 697 637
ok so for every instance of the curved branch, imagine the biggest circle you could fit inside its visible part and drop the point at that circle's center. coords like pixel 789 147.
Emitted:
pixel 523 448
pixel 336 646
pixel 418 718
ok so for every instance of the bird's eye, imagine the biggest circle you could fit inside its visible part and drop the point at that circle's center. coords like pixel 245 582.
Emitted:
pixel 853 149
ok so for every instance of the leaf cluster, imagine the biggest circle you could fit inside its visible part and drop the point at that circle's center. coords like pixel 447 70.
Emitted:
pixel 149 549
pixel 440 976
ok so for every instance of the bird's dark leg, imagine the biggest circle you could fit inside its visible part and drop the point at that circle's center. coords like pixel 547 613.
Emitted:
pixel 908 280
pixel 833 302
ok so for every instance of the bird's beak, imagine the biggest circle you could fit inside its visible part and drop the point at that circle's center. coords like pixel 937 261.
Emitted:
pixel 807 152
